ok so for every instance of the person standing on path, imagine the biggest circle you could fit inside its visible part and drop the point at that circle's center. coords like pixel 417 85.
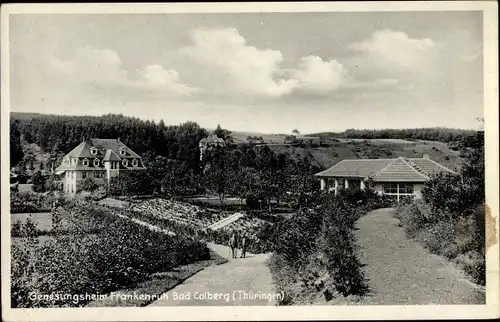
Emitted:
pixel 244 244
pixel 233 243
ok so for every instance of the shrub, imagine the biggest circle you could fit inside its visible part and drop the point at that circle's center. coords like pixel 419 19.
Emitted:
pixel 88 184
pixel 414 217
pixel 474 264
pixel 39 182
pixel 29 202
pixel 116 254
pixel 16 230
pixel 338 245
pixel 437 237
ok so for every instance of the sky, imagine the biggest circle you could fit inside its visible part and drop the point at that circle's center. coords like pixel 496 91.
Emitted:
pixel 258 72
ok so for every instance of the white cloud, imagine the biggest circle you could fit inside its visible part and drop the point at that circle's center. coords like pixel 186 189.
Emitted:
pixel 156 77
pixel 395 50
pixel 104 67
pixel 250 70
pixel 316 76
pixel 253 71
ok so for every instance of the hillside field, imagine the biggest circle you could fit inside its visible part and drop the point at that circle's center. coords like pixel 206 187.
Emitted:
pixel 347 148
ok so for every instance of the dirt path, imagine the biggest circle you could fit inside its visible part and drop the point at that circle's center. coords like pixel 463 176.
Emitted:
pixel 401 271
pixel 232 283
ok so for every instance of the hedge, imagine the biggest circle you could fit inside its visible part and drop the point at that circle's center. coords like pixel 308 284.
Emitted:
pixel 118 253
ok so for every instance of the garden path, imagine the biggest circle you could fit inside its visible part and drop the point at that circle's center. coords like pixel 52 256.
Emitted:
pixel 250 275
pixel 401 271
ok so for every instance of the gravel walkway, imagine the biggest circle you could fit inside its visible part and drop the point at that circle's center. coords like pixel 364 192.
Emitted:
pixel 401 271
pixel 232 283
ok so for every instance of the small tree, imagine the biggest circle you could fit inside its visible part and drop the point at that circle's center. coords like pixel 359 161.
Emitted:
pixel 132 183
pixel 219 173
pixel 32 165
pixel 53 184
pixel 88 184
pixel 38 182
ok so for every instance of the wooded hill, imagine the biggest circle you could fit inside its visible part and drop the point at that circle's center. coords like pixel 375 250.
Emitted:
pixel 440 134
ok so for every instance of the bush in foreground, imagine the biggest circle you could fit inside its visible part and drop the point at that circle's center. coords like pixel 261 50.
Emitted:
pixel 117 253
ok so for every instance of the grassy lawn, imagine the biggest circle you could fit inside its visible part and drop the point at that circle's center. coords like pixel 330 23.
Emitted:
pixel 42 220
pixel 25 187
pixel 157 284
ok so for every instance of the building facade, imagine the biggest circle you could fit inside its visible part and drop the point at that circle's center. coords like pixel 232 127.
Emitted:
pixel 400 177
pixel 212 141
pixel 98 159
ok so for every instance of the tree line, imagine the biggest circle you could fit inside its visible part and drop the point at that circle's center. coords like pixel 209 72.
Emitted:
pixel 172 157
pixel 445 135
pixel 252 173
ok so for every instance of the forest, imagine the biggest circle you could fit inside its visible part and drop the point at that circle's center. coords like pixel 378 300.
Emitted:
pixel 439 134
pixel 172 156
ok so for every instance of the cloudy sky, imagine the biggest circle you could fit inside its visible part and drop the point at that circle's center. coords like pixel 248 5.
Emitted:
pixel 269 72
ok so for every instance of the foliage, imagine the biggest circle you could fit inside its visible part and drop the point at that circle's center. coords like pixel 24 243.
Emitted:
pixel 53 183
pixel 29 202
pixel 131 183
pixel 339 248
pixel 223 134
pixel 316 248
pixel 429 134
pixel 118 254
pixel 449 220
pixel 87 184
pixel 219 172
pixel 16 151
pixel 39 182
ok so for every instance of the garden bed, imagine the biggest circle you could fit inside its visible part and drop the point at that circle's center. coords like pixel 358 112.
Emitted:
pixel 115 254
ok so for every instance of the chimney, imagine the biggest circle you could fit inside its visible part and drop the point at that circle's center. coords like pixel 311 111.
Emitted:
pixel 426 156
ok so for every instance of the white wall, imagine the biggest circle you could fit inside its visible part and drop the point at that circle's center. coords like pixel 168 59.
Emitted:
pixel 417 190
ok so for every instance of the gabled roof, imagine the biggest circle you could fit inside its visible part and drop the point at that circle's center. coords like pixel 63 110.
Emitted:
pixel 397 171
pixel 386 170
pixel 111 156
pixel 212 139
pixel 359 168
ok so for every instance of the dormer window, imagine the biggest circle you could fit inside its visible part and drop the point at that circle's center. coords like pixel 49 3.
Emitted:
pixel 66 162
pixel 74 161
pixel 93 151
pixel 135 162
pixel 122 151
pixel 96 162
pixel 86 162
pixel 125 162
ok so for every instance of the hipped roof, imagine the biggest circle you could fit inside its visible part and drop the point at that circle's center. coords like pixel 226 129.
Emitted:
pixel 386 170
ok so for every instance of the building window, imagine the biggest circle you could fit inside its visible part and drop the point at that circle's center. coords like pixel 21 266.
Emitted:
pixel 135 162
pixel 391 188
pixel 399 190
pixel 86 162
pixel 98 174
pixel 93 151
pixel 84 174
pixel 125 162
pixel 96 162
pixel 405 188
pixel 122 151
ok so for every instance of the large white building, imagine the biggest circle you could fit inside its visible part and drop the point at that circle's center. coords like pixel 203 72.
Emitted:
pixel 397 177
pixel 99 159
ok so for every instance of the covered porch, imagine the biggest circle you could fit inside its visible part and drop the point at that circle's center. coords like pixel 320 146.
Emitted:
pixel 335 183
